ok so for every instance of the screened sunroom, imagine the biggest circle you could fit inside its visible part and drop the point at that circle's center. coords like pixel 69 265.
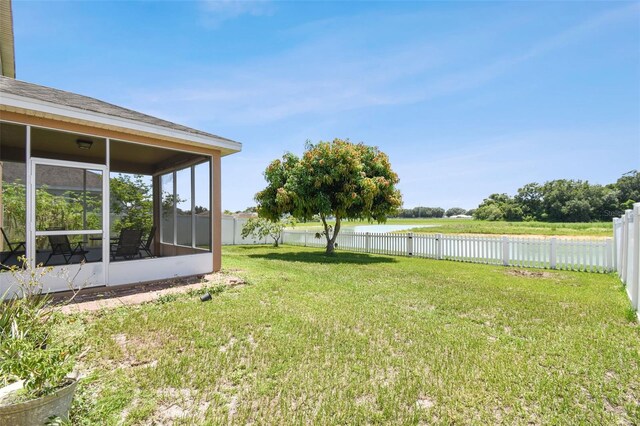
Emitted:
pixel 105 207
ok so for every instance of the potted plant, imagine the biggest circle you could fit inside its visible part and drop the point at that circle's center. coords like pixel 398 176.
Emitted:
pixel 35 365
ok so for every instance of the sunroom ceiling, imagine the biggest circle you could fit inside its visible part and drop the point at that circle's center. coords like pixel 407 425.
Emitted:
pixel 125 157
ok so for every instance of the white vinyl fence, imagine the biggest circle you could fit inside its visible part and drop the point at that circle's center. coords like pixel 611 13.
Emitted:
pixel 590 255
pixel 232 230
pixel 594 255
pixel 626 234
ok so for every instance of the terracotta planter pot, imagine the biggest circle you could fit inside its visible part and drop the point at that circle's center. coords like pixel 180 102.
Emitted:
pixel 37 411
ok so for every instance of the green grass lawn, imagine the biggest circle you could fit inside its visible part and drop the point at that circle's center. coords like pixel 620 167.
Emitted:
pixel 366 339
pixel 470 226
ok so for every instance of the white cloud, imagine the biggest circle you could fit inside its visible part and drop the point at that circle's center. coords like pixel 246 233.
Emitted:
pixel 329 74
pixel 315 78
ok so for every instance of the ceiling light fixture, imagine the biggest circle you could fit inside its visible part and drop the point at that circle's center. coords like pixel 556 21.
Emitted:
pixel 82 144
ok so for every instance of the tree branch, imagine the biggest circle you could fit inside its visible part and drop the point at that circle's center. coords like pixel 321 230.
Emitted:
pixel 326 228
pixel 336 229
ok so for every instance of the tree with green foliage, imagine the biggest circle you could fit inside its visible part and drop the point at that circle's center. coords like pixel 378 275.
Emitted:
pixel 131 202
pixel 70 209
pixel 14 203
pixel 428 212
pixel 435 212
pixel 420 212
pixel 603 201
pixel 454 211
pixel 131 205
pixel 73 209
pixel 338 179
pixel 564 200
pixel 529 198
pixel 628 187
pixel 260 228
pixel 498 207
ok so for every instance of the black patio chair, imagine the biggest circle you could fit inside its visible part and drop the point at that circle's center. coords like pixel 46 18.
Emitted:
pixel 61 246
pixel 128 245
pixel 14 247
pixel 146 247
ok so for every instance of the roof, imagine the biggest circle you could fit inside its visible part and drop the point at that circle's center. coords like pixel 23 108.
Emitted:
pixel 16 90
pixel 56 178
pixel 7 50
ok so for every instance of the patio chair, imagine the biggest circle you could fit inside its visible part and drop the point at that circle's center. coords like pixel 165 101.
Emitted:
pixel 14 248
pixel 146 247
pixel 128 245
pixel 61 246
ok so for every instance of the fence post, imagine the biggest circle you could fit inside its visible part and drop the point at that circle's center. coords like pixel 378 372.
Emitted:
pixel 614 249
pixel 410 244
pixel 366 242
pixel 610 264
pixel 625 244
pixel 305 237
pixel 635 279
pixel 505 251
pixel 439 246
pixel 553 250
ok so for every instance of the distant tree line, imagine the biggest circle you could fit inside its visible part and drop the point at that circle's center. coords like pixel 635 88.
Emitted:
pixel 431 212
pixel 563 200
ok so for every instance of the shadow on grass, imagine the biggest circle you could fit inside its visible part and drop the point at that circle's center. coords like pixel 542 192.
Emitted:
pixel 320 257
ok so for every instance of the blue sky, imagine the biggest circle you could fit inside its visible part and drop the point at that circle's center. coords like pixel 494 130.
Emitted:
pixel 467 99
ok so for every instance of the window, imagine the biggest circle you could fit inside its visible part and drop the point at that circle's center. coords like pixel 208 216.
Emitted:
pixel 184 212
pixel 13 199
pixel 131 201
pixel 186 206
pixel 68 198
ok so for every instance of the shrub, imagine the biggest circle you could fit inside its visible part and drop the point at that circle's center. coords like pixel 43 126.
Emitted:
pixel 28 350
pixel 261 228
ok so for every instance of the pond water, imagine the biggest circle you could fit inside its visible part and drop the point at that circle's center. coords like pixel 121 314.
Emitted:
pixel 383 228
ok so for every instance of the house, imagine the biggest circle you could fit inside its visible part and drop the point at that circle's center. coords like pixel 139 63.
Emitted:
pixel 60 154
pixel 461 216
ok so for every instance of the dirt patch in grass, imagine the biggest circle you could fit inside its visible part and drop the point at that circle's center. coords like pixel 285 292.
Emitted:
pixel 129 358
pixel 368 400
pixel 234 281
pixel 175 404
pixel 229 345
pixel 530 274
pixel 386 377
pixel 424 403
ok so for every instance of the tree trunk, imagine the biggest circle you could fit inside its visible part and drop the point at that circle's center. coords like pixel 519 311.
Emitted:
pixel 276 239
pixel 330 249
pixel 331 240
